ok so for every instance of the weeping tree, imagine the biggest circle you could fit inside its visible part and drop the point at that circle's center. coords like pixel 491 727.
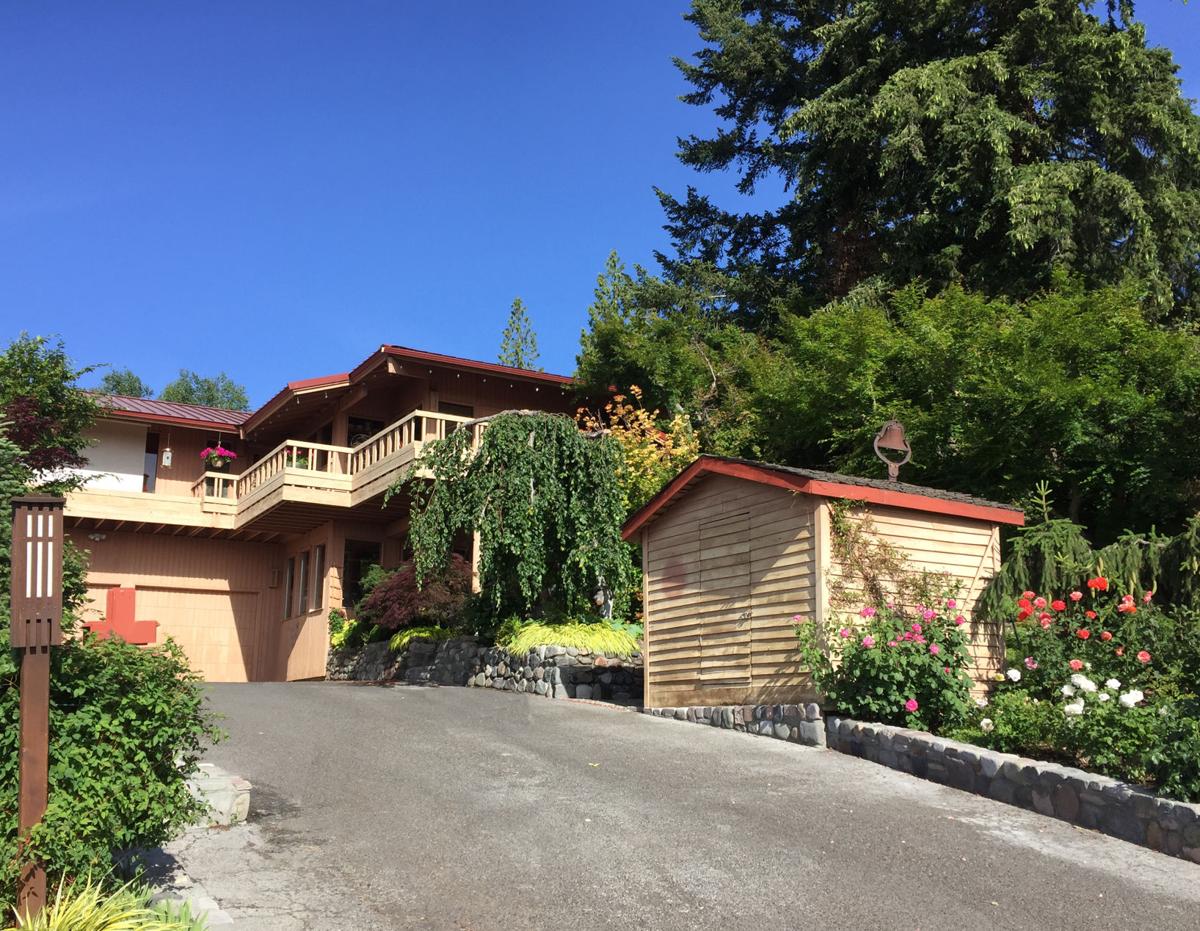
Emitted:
pixel 546 502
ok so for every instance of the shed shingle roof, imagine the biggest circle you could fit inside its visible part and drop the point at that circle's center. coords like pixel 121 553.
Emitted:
pixel 828 484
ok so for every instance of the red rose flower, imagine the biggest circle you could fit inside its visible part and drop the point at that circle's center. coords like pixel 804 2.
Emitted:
pixel 1091 615
pixel 1023 614
pixel 1058 604
pixel 1083 633
pixel 1025 604
pixel 1105 636
pixel 1143 656
pixel 1100 584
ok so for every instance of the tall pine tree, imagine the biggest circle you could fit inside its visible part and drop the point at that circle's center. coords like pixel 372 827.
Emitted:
pixel 518 343
pixel 977 141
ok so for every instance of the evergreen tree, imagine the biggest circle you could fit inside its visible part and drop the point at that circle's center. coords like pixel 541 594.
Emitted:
pixel 518 343
pixel 221 391
pixel 976 141
pixel 125 383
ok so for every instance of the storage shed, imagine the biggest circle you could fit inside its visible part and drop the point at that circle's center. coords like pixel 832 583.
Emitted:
pixel 733 549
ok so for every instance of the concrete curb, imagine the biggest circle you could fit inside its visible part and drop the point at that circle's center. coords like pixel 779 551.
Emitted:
pixel 227 795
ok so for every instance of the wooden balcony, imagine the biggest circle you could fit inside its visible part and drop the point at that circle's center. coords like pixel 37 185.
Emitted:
pixel 291 489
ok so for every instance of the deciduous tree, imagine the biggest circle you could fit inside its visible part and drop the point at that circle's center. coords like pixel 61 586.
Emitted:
pixel 220 391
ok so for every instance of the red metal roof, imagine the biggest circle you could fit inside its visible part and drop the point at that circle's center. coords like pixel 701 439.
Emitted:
pixel 185 415
pixel 830 485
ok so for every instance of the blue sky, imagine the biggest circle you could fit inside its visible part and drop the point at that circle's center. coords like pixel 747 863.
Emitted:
pixel 274 189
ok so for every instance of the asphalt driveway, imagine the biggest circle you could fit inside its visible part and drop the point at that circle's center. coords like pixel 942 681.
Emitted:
pixel 460 808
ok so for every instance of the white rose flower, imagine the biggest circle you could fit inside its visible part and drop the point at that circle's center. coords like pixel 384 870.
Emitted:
pixel 986 725
pixel 1104 696
pixel 1068 690
pixel 1131 698
pixel 1014 675
pixel 1075 707
pixel 981 703
pixel 1083 683
pixel 1113 684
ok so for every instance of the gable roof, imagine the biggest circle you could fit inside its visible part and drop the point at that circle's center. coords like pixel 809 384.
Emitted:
pixel 826 484
pixel 183 415
pixel 474 365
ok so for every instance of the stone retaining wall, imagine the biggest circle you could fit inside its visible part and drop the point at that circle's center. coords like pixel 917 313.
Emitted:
pixel 796 723
pixel 552 671
pixel 1073 795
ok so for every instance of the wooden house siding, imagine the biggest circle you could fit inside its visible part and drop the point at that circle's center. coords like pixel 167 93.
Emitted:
pixel 725 571
pixel 212 596
pixel 967 551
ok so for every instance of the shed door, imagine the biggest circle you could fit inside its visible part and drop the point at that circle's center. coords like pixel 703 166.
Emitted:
pixel 725 589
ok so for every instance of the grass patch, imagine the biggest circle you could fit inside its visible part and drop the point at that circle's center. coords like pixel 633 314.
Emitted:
pixel 403 638
pixel 594 638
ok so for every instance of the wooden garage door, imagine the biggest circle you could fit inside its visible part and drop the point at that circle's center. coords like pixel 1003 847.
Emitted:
pixel 221 632
pixel 725 584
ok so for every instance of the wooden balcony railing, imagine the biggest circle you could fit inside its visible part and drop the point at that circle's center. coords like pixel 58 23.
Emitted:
pixel 216 485
pixel 417 427
pixel 297 460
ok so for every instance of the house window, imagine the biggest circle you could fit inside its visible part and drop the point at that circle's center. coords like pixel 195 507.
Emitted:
pixel 303 609
pixel 150 466
pixel 289 587
pixel 318 575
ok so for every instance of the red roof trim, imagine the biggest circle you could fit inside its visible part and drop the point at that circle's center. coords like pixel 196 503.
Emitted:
pixel 437 358
pixel 340 380
pixel 763 475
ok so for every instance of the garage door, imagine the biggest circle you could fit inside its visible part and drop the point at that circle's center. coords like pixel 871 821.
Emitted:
pixel 221 632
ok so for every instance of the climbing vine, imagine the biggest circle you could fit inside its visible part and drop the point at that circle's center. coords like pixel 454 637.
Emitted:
pixel 546 503
pixel 872 571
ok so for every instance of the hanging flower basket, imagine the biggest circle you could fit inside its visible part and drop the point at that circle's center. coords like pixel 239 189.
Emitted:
pixel 217 457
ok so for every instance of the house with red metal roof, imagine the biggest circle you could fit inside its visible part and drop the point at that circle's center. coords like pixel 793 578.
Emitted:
pixel 241 557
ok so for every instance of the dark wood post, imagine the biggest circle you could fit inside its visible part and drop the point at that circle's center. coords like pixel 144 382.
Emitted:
pixel 36 626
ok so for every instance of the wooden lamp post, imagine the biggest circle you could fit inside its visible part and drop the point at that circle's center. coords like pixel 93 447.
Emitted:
pixel 37 557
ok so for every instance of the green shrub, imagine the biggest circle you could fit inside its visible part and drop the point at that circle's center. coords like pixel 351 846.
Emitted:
pixel 403 638
pixel 87 906
pixel 892 667
pixel 127 727
pixel 597 637
pixel 395 599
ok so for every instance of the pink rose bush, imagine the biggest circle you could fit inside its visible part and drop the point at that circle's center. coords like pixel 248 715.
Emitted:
pixel 897 666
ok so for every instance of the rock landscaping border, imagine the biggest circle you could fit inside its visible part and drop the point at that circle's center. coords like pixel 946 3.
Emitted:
pixel 551 671
pixel 1082 798
pixel 800 724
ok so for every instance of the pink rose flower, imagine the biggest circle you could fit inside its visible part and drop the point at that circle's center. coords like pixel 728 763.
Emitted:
pixel 911 705
pixel 929 614
pixel 867 612
pixel 934 649
pixel 868 641
pixel 951 603
pixel 916 628
pixel 960 620
pixel 1146 598
pixel 1029 595
pixel 1076 664
pixel 1039 602
pixel 1076 596
pixel 845 633
pixel 1143 656
pixel 1030 662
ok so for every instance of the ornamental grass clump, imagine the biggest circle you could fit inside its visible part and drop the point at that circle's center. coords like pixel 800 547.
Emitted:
pixel 87 906
pixel 593 638
pixel 1100 681
pixel 893 666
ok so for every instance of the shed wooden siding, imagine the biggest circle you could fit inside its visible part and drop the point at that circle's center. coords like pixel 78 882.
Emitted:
pixel 726 569
pixel 211 596
pixel 968 551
